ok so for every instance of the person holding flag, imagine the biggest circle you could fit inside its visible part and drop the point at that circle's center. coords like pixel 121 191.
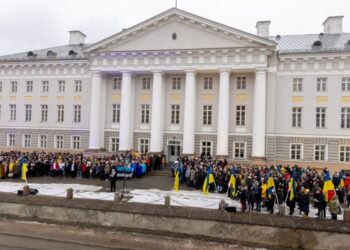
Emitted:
pixel 232 189
pixel 328 187
pixel 176 180
pixel 291 193
pixel 24 171
pixel 270 203
pixel 209 179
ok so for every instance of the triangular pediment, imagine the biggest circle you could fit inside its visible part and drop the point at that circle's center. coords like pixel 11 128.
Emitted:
pixel 176 29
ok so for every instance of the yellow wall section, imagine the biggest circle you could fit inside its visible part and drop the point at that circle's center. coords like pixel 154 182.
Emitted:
pixel 115 97
pixel 207 97
pixel 175 97
pixel 297 99
pixel 345 99
pixel 321 99
pixel 241 97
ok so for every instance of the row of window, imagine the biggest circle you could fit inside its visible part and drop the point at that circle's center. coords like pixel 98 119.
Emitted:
pixel 176 83
pixel 44 113
pixel 61 86
pixel 42 141
pixel 321 115
pixel 320 152
pixel 321 84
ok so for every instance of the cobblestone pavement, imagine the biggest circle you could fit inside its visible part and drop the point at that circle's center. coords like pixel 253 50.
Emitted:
pixel 15 235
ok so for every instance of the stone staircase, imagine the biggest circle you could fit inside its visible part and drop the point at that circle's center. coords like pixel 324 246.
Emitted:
pixel 163 172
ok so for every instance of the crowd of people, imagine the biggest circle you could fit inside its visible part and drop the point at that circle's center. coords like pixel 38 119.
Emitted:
pixel 258 187
pixel 76 165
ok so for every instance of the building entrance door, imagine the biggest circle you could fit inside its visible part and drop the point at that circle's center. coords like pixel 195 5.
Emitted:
pixel 174 150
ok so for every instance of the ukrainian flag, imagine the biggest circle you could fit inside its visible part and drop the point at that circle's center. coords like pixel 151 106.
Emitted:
pixel 208 180
pixel 292 186
pixel 232 185
pixel 328 187
pixel 270 185
pixel 342 180
pixel 24 171
pixel 176 181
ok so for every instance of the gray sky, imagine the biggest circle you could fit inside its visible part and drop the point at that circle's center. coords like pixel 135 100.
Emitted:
pixel 36 24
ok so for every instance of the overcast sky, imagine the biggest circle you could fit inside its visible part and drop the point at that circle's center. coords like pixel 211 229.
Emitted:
pixel 37 24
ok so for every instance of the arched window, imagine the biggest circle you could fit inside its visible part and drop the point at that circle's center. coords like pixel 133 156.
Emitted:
pixel 50 53
pixel 31 54
pixel 317 44
pixel 72 53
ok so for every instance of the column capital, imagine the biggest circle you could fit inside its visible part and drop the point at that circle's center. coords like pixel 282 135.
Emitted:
pixel 157 72
pixel 224 71
pixel 96 72
pixel 260 70
pixel 190 71
pixel 126 72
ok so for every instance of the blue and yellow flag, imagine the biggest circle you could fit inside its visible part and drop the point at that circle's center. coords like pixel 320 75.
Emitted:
pixel 270 185
pixel 24 171
pixel 232 185
pixel 328 187
pixel 208 180
pixel 292 186
pixel 176 181
pixel 342 180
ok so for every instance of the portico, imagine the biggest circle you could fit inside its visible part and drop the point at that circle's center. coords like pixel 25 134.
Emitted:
pixel 190 112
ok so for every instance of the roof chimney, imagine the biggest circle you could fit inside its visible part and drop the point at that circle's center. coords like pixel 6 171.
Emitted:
pixel 333 25
pixel 263 28
pixel 76 37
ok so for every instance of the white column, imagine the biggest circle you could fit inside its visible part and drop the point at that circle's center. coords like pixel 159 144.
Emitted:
pixel 223 118
pixel 125 113
pixel 157 113
pixel 259 113
pixel 96 111
pixel 188 147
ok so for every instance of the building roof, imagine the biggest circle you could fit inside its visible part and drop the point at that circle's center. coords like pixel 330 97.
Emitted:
pixel 65 52
pixel 290 44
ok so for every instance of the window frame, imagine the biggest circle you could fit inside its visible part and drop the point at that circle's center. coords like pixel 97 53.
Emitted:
pixel 40 141
pixel 145 113
pixel 208 83
pixel 346 153
pixel 175 114
pixel 9 140
pixel 76 113
pixel 321 84
pixel 111 144
pixel 240 148
pixel 319 150
pixel 142 145
pixel 207 114
pixel 298 84
pixel 146 83
pixel 207 147
pixel 297 117
pixel 241 82
pixel 321 117
pixel 345 118
pixel 301 151
pixel 241 115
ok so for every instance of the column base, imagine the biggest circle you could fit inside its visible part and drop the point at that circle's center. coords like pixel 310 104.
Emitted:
pixel 221 157
pixel 96 153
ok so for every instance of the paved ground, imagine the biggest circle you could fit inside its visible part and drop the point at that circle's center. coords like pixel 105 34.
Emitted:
pixel 16 235
pixel 162 181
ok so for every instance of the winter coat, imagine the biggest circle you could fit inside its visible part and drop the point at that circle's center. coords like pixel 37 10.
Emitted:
pixel 334 205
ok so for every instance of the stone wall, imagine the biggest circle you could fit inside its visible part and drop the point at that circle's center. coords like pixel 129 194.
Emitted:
pixel 249 228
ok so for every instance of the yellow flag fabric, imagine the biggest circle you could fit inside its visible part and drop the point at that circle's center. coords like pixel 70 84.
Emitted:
pixel 263 190
pixel 291 190
pixel 207 181
pixel 232 185
pixel 176 181
pixel 24 171
pixel 11 167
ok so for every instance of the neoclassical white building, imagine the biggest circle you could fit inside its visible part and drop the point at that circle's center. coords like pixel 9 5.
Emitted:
pixel 180 83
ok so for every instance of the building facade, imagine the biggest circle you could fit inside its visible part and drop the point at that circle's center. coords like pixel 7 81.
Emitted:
pixel 182 84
